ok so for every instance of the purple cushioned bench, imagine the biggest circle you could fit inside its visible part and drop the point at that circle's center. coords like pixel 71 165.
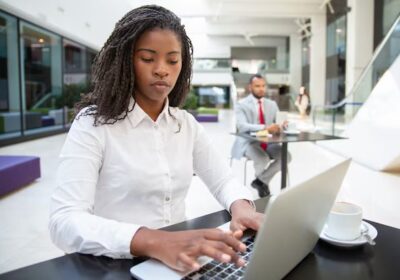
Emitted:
pixel 17 171
pixel 206 118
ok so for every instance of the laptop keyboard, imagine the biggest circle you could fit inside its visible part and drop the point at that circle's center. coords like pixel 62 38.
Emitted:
pixel 216 270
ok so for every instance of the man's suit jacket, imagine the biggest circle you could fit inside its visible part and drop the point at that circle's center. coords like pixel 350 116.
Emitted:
pixel 247 119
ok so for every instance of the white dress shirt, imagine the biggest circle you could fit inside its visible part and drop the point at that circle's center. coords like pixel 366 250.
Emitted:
pixel 114 179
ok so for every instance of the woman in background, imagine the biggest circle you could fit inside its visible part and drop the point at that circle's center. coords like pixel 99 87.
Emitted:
pixel 303 103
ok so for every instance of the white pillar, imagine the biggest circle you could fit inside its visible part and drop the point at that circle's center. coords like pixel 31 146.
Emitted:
pixel 295 63
pixel 360 39
pixel 318 59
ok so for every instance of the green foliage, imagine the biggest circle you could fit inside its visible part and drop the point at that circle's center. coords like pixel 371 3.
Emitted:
pixel 71 95
pixel 207 111
pixel 191 101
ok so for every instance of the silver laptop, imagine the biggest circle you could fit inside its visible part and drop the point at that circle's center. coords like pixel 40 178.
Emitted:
pixel 293 222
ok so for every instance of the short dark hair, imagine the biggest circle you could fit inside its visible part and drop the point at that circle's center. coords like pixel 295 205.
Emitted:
pixel 113 77
pixel 256 76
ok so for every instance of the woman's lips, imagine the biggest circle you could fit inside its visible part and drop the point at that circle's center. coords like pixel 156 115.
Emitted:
pixel 160 85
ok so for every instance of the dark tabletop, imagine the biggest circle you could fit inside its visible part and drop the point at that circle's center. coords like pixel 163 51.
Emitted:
pixel 286 138
pixel 325 261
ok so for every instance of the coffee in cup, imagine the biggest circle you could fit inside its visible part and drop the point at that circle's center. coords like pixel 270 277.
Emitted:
pixel 344 221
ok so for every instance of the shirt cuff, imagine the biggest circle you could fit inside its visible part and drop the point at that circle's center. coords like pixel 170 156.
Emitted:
pixel 123 238
pixel 237 192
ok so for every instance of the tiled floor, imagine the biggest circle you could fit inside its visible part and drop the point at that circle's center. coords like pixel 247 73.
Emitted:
pixel 24 238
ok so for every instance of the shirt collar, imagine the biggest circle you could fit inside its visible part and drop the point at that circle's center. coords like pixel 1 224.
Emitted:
pixel 137 115
pixel 255 100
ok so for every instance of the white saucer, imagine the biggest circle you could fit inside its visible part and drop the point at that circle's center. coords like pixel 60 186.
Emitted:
pixel 291 132
pixel 372 232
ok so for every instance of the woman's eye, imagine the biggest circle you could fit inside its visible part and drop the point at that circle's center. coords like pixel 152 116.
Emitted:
pixel 147 60
pixel 173 62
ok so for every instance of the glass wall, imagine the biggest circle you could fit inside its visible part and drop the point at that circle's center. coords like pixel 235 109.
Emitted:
pixel 336 30
pixel 305 62
pixel 213 96
pixel 42 75
pixel 211 64
pixel 76 76
pixel 10 116
pixel 336 60
pixel 41 78
pixel 385 14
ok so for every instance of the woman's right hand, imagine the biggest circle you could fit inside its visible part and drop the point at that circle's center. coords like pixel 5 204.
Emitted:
pixel 180 250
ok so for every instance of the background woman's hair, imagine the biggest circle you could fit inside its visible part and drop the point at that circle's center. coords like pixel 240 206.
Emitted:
pixel 113 77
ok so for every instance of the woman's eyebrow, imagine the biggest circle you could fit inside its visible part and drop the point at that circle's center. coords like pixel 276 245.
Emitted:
pixel 153 51
pixel 147 50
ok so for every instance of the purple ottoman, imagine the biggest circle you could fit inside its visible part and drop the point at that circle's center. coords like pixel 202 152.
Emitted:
pixel 17 171
pixel 206 118
pixel 47 121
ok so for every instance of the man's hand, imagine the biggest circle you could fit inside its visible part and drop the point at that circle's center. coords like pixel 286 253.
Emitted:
pixel 180 250
pixel 274 129
pixel 244 216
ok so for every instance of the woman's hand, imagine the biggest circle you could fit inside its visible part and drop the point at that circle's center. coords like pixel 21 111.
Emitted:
pixel 244 216
pixel 180 250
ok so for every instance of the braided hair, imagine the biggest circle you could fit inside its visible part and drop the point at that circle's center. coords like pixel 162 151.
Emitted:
pixel 113 77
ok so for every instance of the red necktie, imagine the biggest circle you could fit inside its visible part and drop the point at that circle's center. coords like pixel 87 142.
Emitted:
pixel 262 121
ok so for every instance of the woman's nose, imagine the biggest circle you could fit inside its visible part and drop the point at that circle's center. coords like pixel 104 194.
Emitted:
pixel 160 70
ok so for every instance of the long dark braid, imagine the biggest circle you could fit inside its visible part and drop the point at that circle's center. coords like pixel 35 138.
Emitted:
pixel 113 77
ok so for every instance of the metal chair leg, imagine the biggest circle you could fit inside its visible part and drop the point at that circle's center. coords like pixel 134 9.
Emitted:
pixel 245 171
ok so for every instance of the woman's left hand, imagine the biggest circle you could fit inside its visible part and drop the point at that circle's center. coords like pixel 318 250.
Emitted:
pixel 244 216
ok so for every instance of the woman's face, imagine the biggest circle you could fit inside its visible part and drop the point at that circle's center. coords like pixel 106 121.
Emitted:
pixel 157 62
pixel 301 91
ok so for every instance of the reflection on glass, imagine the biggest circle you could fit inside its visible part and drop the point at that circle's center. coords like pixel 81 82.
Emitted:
pixel 10 117
pixel 41 59
pixel 91 54
pixel 76 75
pixel 211 64
pixel 213 96
pixel 335 120
pixel 336 60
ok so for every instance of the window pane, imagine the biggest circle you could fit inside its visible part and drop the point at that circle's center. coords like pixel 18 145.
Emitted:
pixel 10 117
pixel 42 82
pixel 75 76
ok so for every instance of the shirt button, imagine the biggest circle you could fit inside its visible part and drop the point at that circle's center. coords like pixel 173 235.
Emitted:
pixel 167 198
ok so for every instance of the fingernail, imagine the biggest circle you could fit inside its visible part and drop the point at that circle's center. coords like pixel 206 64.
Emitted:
pixel 226 258
pixel 241 262
pixel 242 247
pixel 196 266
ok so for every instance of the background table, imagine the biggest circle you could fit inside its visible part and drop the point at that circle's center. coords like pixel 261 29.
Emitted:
pixel 325 262
pixel 284 139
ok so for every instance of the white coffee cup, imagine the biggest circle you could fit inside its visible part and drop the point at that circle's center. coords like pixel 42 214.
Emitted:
pixel 344 221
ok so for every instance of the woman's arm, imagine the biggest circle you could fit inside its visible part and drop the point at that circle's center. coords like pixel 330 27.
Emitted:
pixel 73 226
pixel 210 166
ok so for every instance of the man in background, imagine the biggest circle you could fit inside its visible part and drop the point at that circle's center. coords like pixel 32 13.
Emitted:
pixel 254 113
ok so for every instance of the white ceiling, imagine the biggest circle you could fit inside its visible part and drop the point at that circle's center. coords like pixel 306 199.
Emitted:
pixel 92 21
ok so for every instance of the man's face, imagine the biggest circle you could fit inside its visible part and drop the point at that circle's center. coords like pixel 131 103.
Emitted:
pixel 258 87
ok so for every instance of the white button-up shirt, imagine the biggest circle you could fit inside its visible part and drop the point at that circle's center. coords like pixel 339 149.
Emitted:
pixel 114 179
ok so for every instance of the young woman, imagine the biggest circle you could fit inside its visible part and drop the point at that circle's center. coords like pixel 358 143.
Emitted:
pixel 128 160
pixel 303 102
